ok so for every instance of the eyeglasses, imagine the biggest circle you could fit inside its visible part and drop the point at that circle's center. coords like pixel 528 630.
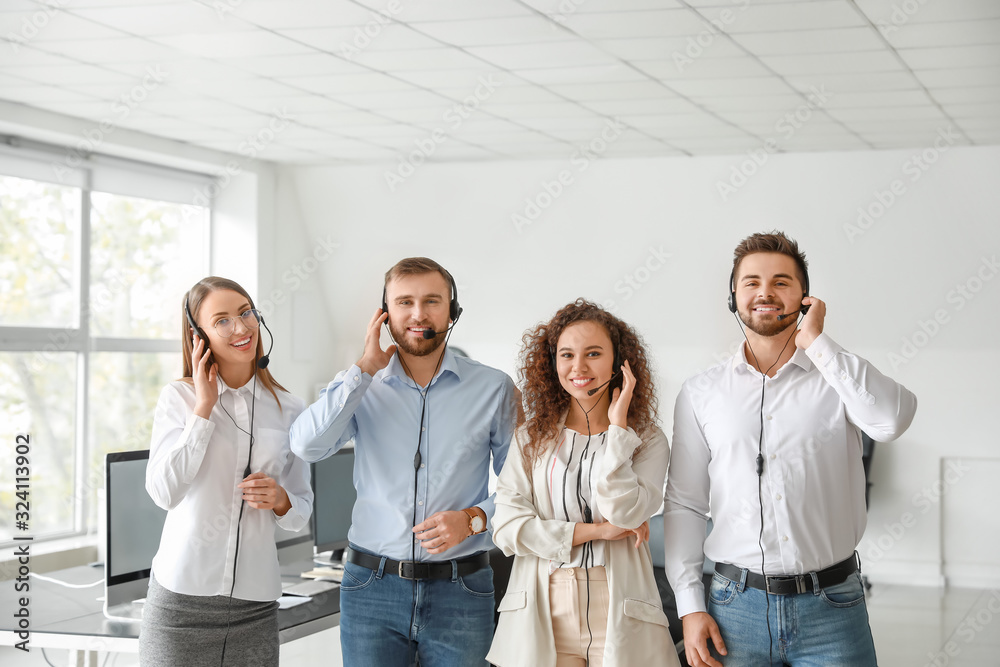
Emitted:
pixel 227 325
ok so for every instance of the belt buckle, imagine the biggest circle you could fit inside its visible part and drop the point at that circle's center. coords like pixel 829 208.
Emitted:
pixel 400 571
pixel 799 579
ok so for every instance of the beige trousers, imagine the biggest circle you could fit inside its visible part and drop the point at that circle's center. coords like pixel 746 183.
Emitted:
pixel 568 604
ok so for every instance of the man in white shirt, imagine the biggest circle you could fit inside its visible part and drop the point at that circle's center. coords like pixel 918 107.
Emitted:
pixel 769 444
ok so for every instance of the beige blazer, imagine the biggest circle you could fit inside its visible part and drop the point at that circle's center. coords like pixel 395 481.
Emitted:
pixel 628 493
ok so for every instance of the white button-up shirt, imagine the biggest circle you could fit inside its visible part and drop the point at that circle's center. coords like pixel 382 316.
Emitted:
pixel 194 467
pixel 813 485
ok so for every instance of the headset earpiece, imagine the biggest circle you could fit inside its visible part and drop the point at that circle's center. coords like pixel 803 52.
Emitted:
pixel 194 325
pixel 454 308
pixel 732 291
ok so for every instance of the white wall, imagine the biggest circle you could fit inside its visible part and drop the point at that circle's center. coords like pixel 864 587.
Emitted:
pixel 881 279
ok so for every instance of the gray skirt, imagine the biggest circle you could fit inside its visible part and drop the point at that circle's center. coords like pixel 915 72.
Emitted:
pixel 190 630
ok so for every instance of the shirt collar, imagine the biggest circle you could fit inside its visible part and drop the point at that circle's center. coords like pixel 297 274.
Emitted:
pixel 245 389
pixel 739 362
pixel 394 368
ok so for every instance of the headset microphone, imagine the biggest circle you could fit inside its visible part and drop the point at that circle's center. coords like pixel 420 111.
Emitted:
pixel 803 310
pixel 598 388
pixel 430 333
pixel 266 359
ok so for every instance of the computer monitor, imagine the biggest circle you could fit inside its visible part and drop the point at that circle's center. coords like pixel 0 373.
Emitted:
pixel 133 524
pixel 333 486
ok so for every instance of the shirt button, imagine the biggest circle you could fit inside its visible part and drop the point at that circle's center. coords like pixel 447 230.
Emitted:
pixel 769 418
pixel 423 465
pixel 341 405
pixel 819 355
pixel 843 376
pixel 423 428
pixel 784 538
pixel 774 456
pixel 422 502
pixel 357 378
pixel 778 497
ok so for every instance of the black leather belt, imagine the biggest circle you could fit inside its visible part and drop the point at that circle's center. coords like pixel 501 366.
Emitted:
pixel 791 584
pixel 408 569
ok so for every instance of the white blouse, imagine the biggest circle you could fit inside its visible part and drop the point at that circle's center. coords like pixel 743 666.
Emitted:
pixel 572 482
pixel 194 467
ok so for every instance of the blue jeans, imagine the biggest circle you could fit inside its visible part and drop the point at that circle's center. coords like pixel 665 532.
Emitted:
pixel 825 628
pixel 452 618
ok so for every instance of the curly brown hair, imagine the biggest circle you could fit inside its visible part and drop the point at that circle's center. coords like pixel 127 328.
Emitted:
pixel 546 400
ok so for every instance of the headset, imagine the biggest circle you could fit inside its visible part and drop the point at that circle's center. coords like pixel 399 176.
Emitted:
pixel 805 277
pixel 454 309
pixel 759 461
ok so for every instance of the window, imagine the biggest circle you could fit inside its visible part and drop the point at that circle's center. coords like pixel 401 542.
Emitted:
pixel 93 263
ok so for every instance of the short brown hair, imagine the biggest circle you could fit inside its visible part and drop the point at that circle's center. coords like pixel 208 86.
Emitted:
pixel 774 241
pixel 415 266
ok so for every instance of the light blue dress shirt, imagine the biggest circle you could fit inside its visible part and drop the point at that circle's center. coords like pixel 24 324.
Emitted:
pixel 469 414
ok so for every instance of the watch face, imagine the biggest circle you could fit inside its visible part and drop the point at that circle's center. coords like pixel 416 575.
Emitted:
pixel 477 524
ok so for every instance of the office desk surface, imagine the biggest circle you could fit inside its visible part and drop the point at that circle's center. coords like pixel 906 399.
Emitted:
pixel 73 618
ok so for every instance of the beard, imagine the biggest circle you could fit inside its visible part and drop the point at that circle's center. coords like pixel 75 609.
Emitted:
pixel 420 347
pixel 763 327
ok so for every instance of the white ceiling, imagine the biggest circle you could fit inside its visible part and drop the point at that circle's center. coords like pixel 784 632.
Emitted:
pixel 891 74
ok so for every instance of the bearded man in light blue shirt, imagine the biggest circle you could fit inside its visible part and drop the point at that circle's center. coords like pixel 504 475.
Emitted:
pixel 425 423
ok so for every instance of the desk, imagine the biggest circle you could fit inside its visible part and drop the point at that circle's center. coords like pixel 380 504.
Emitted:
pixel 72 618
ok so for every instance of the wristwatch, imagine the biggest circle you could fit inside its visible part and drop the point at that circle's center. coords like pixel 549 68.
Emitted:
pixel 476 523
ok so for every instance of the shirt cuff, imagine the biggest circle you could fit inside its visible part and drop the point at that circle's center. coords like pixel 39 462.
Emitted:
pixel 295 518
pixel 198 431
pixel 621 443
pixel 823 350
pixel 690 600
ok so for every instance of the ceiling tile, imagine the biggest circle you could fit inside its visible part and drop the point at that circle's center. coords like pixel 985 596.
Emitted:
pixel 495 31
pixel 952 57
pixel 181 18
pixel 551 54
pixel 233 44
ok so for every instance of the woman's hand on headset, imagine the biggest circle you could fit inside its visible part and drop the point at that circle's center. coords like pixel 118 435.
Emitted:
pixel 622 398
pixel 204 370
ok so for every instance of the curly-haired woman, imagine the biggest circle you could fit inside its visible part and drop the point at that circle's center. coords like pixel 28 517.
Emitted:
pixel 582 477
